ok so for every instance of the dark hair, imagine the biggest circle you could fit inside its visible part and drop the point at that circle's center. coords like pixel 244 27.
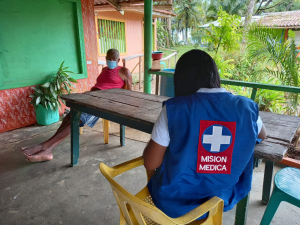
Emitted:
pixel 113 52
pixel 195 69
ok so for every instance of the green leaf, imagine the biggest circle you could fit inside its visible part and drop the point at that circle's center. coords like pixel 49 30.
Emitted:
pixel 46 85
pixel 38 90
pixel 58 86
pixel 61 65
pixel 52 87
pixel 38 100
pixel 291 34
pixel 31 96
pixel 73 80
pixel 50 106
pixel 68 71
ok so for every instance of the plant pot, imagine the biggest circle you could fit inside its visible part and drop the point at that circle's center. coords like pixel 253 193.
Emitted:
pixel 157 55
pixel 290 162
pixel 46 116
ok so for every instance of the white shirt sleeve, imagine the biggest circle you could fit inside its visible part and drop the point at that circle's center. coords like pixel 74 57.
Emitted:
pixel 160 132
pixel 259 124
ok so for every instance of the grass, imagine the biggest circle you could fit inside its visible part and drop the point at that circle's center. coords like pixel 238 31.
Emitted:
pixel 180 49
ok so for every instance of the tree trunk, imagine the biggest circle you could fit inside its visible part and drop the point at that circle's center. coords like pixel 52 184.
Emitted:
pixel 249 13
pixel 289 5
pixel 186 34
pixel 168 31
pixel 248 17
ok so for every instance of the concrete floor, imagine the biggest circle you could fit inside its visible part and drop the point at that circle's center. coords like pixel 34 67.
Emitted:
pixel 55 193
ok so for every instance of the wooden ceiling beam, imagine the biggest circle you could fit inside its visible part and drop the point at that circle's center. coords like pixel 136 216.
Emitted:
pixel 128 6
pixel 114 4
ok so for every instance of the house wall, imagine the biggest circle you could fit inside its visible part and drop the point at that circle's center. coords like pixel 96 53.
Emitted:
pixel 15 108
pixel 134 35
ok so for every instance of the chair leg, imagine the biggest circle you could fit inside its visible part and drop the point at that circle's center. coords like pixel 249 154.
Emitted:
pixel 80 130
pixel 272 206
pixel 105 130
pixel 241 211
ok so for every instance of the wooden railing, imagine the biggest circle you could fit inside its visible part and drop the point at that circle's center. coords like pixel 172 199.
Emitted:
pixel 140 56
pixel 126 59
pixel 101 63
pixel 252 85
pixel 169 56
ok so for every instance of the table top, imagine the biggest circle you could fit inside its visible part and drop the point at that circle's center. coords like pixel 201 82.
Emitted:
pixel 142 108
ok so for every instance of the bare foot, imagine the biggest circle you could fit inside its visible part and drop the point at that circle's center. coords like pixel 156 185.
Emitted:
pixel 40 157
pixel 29 151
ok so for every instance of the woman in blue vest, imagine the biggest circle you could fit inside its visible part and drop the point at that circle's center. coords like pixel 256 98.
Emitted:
pixel 203 142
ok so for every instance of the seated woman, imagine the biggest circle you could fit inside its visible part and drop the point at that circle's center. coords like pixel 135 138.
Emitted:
pixel 203 142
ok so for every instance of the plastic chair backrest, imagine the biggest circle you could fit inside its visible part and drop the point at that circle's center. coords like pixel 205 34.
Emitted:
pixel 145 213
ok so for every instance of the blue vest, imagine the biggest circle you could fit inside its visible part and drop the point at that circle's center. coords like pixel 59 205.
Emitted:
pixel 212 138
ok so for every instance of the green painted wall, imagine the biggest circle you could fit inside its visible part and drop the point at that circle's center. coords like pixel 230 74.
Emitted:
pixel 35 37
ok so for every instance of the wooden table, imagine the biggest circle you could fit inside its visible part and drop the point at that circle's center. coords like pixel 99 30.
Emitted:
pixel 140 111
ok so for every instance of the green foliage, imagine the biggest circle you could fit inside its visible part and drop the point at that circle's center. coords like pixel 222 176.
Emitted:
pixel 278 6
pixel 270 101
pixel 232 7
pixel 162 34
pixel 246 69
pixel 224 66
pixel 267 100
pixel 48 94
pixel 266 45
pixel 227 34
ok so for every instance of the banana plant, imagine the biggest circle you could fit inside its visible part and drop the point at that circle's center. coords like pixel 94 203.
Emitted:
pixel 48 94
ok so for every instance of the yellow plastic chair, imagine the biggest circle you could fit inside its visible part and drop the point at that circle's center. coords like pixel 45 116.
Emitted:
pixel 140 210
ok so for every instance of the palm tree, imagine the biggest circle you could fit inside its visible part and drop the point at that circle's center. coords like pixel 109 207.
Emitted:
pixel 187 15
pixel 265 44
pixel 232 7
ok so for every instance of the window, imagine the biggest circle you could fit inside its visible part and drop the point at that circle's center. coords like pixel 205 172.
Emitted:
pixel 111 35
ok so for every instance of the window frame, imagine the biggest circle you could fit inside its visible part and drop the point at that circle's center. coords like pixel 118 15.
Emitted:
pixel 97 18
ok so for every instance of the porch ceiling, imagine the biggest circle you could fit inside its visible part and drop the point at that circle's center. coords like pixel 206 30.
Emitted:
pixel 164 9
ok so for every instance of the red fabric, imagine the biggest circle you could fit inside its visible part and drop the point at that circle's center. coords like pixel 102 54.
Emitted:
pixel 109 79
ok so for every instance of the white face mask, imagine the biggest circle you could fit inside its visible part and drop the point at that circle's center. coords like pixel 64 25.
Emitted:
pixel 111 64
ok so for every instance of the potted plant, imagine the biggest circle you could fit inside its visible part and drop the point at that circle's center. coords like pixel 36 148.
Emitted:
pixel 46 97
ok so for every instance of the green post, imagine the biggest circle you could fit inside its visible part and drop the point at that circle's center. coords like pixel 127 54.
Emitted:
pixel 147 44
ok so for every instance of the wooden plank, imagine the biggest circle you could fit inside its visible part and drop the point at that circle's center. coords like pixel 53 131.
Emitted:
pixel 119 111
pixel 130 101
pixel 131 57
pixel 99 8
pixel 114 4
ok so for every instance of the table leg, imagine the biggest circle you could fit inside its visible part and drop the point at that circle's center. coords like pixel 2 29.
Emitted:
pixel 122 135
pixel 74 137
pixel 267 181
pixel 241 211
